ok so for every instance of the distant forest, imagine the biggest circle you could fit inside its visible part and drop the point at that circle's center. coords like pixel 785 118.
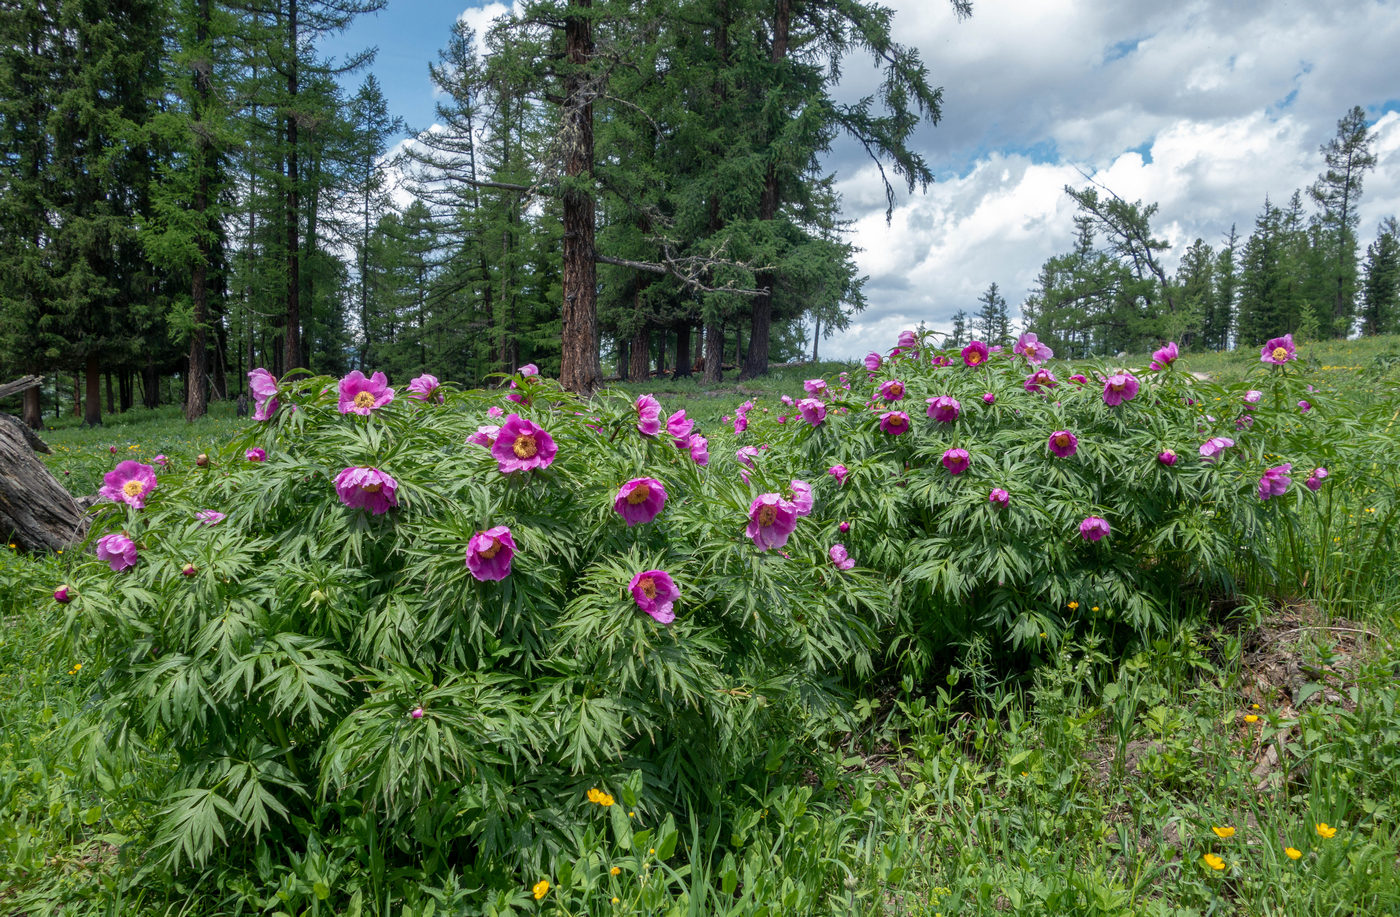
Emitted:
pixel 609 189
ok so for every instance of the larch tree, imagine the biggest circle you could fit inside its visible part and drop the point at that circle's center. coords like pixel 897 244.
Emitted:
pixel 1338 192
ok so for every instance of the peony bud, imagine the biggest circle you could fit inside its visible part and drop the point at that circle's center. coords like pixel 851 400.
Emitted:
pixel 63 595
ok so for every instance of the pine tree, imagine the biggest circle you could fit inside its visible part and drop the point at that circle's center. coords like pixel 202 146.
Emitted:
pixel 1265 298
pixel 959 336
pixel 1380 288
pixel 1219 321
pixel 1338 192
pixel 993 321
pixel 1195 284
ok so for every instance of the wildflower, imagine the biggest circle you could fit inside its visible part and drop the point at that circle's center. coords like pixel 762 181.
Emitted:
pixel 541 889
pixel 1214 446
pixel 612 872
pixel 1224 833
pixel 1163 357
pixel 1029 347
pixel 1275 481
pixel 1213 861
pixel 956 460
pixel 161 460
pixel 117 550
pixel 974 354
pixel 210 517
pixel 485 435
pixel 799 493
pixel 130 483
pixel 844 527
pixel 1041 378
pixel 1063 443
pixel 263 385
pixel 1072 606
pixel 366 488
pixel 741 422
pixel 598 797
pixel 814 386
pixel 416 713
pixel 112 449
pixel 188 570
pixel 639 500
pixel 771 520
pixel 813 410
pixel 1167 457
pixel 649 416
pixel 873 361
pixel 839 557
pixel 362 396
pixel 838 472
pixel 1118 388
pixel 892 390
pixel 1325 830
pixel 1093 528
pixel 494 411
pixel 1251 718
pixel 63 594
pixel 1278 350
pixel 1251 398
pixel 746 455
pixel 999 497
pixel 655 593
pixel 615 898
pixel 489 554
pixel 989 398
pixel 678 426
pixel 908 340
pixel 699 449
pixel 1315 479
pixel 1292 853
pixel 1304 406
pixel 894 422
pixel 522 445
pixel 516 396
pixel 944 408
pixel 1079 379
pixel 424 387
pixel 529 369
pixel 255 454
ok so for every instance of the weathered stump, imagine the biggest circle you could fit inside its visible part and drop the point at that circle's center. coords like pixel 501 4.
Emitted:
pixel 36 512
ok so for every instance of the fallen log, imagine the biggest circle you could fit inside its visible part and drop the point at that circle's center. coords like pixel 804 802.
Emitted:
pixel 36 512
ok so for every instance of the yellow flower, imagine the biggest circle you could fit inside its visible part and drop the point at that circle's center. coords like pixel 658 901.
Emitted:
pixel 631 814
pixel 1254 706
pixel 615 899
pixel 1223 832
pixel 1251 718
pixel 598 796
pixel 1095 608
pixel 614 871
pixel 77 666
pixel 1213 861
pixel 541 889
pixel 1293 852
pixel 1325 830
pixel 1073 605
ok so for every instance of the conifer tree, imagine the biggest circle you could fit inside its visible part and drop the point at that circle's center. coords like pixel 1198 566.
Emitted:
pixel 1380 288
pixel 1338 192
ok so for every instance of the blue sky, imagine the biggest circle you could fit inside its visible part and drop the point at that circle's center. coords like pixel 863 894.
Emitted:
pixel 1202 106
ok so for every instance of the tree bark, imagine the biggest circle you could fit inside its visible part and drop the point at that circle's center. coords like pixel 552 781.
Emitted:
pixel 36 512
pixel 714 352
pixel 639 369
pixel 33 413
pixel 682 349
pixel 92 404
pixel 579 369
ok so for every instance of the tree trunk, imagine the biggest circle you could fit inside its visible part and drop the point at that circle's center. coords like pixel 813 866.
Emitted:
pixel 640 368
pixel 33 411
pixel 682 350
pixel 92 404
pixel 124 390
pixel 36 512
pixel 714 352
pixel 111 399
pixel 816 338
pixel 579 370
pixel 291 347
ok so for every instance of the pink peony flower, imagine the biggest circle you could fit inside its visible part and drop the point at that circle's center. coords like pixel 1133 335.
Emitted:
pixel 529 369
pixel 118 550
pixel 814 386
pixel 210 517
pixel 1167 457
pixel 1251 398
pixel 771 520
pixel 974 354
pixel 63 594
pixel 699 449
pixel 844 527
pixel 908 340
pixel 813 410
pixel 956 460
pixel 188 570
pixel 782 418
pixel 1079 379
pixel 263 385
pixel 1118 388
pixel 1029 347
pixel 362 396
pixel 838 472
pixel 1304 406
pixel 522 445
pixel 873 361
pixel 892 390
pixel 112 449
pixel 639 500
pixel 1313 483
pixel 489 554
pixel 894 422
pixel 655 593
pixel 255 454
pixel 944 408
pixel 1094 528
pixel 989 398
pixel 649 416
pixel 741 423
pixel 518 397
pixel 494 411
pixel 416 713
pixel 1278 351
pixel 999 497
pixel 1163 357
pixel 161 460
pixel 424 388
pixel 130 483
pixel 1214 446
pixel 1063 443
pixel 840 558
pixel 1041 378
pixel 800 494
pixel 485 435
pixel 787 400
pixel 679 427
pixel 746 455
pixel 366 488
pixel 1275 481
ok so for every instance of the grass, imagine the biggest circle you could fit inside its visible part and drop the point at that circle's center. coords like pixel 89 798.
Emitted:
pixel 1098 782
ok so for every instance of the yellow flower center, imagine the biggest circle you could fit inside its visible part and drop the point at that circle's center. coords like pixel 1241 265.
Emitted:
pixel 1280 354
pixel 896 421
pixel 371 488
pixel 639 494
pixel 364 400
pixel 974 358
pixel 766 515
pixel 132 488
pixel 648 587
pixel 897 389
pixel 1062 440
pixel 525 446
pixel 491 551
